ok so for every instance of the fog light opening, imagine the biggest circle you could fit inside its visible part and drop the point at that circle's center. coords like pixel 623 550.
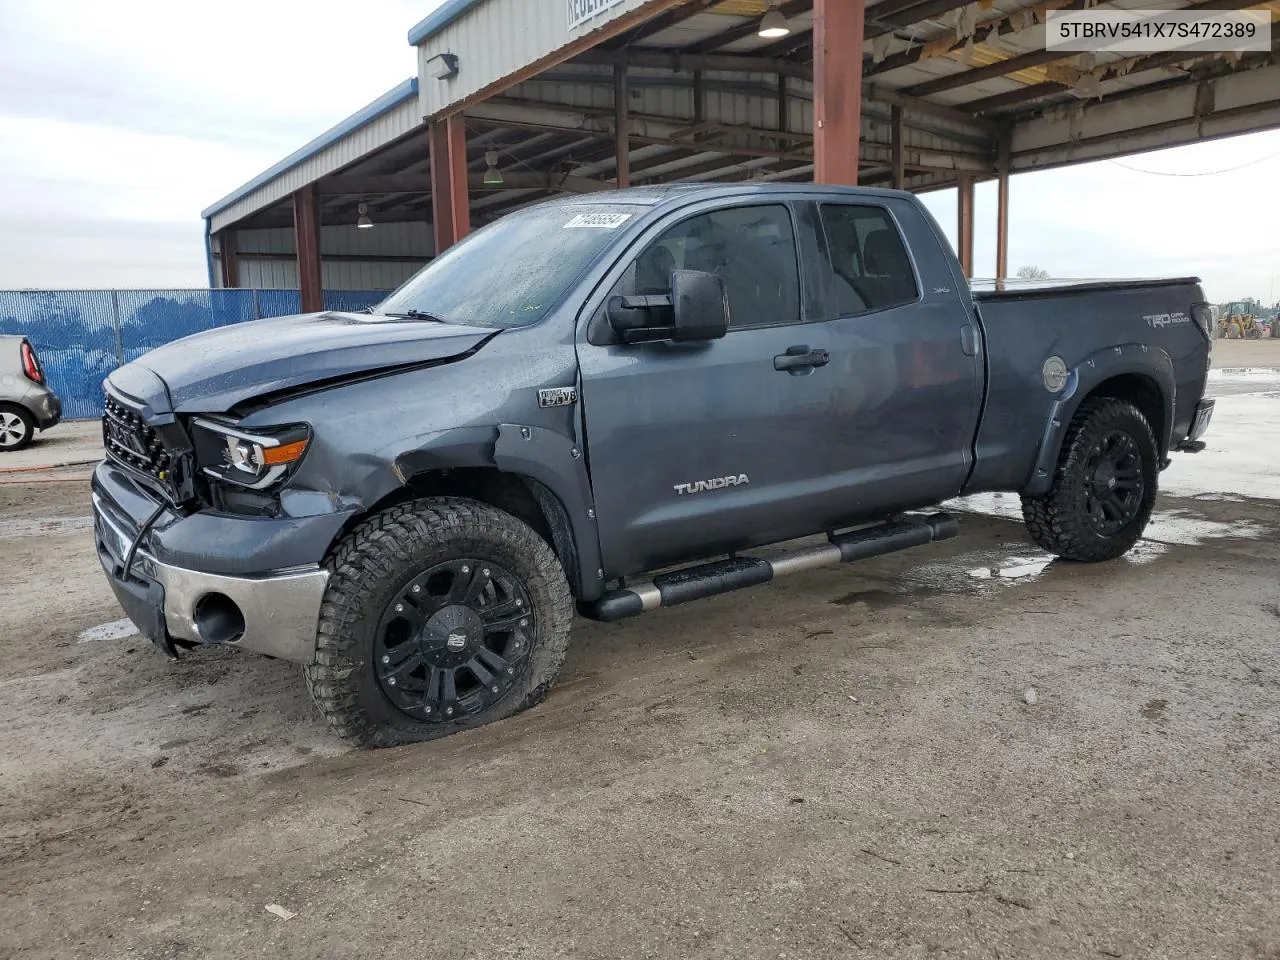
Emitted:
pixel 218 619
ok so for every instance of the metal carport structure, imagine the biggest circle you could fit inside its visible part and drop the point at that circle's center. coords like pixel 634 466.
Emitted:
pixel 548 96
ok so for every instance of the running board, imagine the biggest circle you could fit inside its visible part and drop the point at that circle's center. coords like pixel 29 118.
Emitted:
pixel 736 573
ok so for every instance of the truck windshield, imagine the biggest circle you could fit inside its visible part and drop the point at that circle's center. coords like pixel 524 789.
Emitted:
pixel 513 272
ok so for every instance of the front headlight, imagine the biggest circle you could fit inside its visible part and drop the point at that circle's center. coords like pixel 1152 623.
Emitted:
pixel 254 459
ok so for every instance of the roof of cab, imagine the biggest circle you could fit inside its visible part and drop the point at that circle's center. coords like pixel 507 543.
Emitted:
pixel 655 195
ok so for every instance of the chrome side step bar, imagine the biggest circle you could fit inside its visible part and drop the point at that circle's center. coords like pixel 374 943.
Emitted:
pixel 736 573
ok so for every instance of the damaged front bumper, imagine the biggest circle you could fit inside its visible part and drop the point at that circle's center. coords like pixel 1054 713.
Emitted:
pixel 273 613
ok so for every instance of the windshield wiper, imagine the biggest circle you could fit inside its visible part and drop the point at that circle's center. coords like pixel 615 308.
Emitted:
pixel 417 315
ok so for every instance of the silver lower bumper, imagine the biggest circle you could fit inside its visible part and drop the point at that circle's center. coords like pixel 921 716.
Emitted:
pixel 280 609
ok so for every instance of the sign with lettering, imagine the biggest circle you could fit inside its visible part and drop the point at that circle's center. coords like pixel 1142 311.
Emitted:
pixel 580 11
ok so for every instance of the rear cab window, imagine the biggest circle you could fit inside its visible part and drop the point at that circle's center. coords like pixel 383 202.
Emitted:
pixel 869 267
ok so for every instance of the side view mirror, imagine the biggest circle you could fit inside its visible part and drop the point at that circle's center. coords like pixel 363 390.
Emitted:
pixel 696 309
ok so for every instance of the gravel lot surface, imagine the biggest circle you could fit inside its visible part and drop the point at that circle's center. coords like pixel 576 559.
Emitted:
pixel 959 751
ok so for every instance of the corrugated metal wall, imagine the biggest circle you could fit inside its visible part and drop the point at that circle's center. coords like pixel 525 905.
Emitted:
pixel 412 244
pixel 335 275
pixel 378 132
pixel 499 38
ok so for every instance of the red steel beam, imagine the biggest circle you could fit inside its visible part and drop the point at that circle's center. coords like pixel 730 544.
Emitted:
pixel 1002 209
pixel 964 215
pixel 306 239
pixel 622 123
pixel 837 89
pixel 450 198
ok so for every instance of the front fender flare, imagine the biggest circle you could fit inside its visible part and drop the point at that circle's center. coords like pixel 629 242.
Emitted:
pixel 1127 359
pixel 557 463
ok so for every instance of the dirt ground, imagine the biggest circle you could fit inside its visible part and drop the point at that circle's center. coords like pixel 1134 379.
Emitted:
pixel 842 764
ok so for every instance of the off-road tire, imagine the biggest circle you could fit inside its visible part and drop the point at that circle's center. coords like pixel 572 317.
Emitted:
pixel 1060 521
pixel 373 563
pixel 26 420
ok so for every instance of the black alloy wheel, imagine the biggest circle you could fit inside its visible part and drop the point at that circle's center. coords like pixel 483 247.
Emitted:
pixel 1114 491
pixel 454 640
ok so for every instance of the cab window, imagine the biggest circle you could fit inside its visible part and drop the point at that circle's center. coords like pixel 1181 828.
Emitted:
pixel 870 268
pixel 752 248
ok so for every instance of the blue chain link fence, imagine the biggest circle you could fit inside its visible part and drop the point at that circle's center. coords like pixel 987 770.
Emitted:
pixel 82 335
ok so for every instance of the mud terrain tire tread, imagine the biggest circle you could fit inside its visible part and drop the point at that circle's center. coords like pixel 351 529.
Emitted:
pixel 390 546
pixel 1057 521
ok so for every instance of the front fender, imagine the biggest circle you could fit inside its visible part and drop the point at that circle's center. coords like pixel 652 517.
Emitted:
pixel 552 460
pixel 556 462
pixel 1130 359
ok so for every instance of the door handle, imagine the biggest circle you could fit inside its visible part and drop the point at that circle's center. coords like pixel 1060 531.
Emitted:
pixel 800 358
pixel 968 340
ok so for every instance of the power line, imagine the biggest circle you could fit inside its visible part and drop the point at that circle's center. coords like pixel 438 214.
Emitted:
pixel 1206 173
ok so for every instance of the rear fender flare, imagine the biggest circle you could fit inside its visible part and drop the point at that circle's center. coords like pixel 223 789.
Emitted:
pixel 1124 360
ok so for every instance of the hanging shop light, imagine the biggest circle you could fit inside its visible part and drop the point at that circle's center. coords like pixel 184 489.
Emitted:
pixel 492 176
pixel 364 223
pixel 774 24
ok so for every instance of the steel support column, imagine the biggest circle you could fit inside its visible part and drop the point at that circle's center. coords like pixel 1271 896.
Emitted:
pixel 964 233
pixel 622 122
pixel 228 259
pixel 896 157
pixel 450 198
pixel 306 244
pixel 1002 209
pixel 838 29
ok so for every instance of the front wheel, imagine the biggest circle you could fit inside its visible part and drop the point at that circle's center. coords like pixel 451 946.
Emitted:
pixel 440 615
pixel 1104 487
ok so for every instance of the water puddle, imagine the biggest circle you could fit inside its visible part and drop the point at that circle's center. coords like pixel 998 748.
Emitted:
pixel 1183 528
pixel 44 526
pixel 1013 568
pixel 115 630
pixel 977 570
pixel 1005 505
pixel 1243 453
pixel 1258 375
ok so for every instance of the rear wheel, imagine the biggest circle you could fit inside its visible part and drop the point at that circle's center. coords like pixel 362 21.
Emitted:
pixel 440 615
pixel 17 427
pixel 1104 487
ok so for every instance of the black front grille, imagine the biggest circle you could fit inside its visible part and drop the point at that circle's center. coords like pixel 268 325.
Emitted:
pixel 129 441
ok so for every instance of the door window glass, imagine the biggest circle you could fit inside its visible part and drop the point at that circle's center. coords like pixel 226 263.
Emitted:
pixel 869 263
pixel 752 248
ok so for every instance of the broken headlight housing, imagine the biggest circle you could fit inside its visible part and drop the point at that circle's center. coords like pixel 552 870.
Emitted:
pixel 256 459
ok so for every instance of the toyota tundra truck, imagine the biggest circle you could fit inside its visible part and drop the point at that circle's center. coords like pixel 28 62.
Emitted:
pixel 604 404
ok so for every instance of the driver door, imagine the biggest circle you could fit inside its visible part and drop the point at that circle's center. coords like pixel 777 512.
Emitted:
pixel 696 449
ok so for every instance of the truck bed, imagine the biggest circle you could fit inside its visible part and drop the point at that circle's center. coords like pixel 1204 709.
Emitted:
pixel 987 290
pixel 1142 322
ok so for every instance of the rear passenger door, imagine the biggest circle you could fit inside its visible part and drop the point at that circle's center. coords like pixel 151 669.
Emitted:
pixel 696 449
pixel 904 353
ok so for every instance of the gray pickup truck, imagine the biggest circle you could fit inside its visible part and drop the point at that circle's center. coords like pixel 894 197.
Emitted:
pixel 412 502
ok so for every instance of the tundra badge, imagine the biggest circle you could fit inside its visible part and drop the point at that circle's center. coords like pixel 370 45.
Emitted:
pixel 719 483
pixel 558 397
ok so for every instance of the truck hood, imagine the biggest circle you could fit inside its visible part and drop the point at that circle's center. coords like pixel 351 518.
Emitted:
pixel 214 371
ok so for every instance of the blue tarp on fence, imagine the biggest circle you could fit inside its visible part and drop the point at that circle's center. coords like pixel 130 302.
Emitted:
pixel 82 335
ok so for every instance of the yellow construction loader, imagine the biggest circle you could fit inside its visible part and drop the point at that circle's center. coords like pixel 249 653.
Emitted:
pixel 1237 322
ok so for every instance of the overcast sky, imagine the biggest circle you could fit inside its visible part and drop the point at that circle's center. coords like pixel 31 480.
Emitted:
pixel 120 120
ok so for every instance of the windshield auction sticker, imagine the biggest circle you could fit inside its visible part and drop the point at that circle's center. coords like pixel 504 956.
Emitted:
pixel 598 221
